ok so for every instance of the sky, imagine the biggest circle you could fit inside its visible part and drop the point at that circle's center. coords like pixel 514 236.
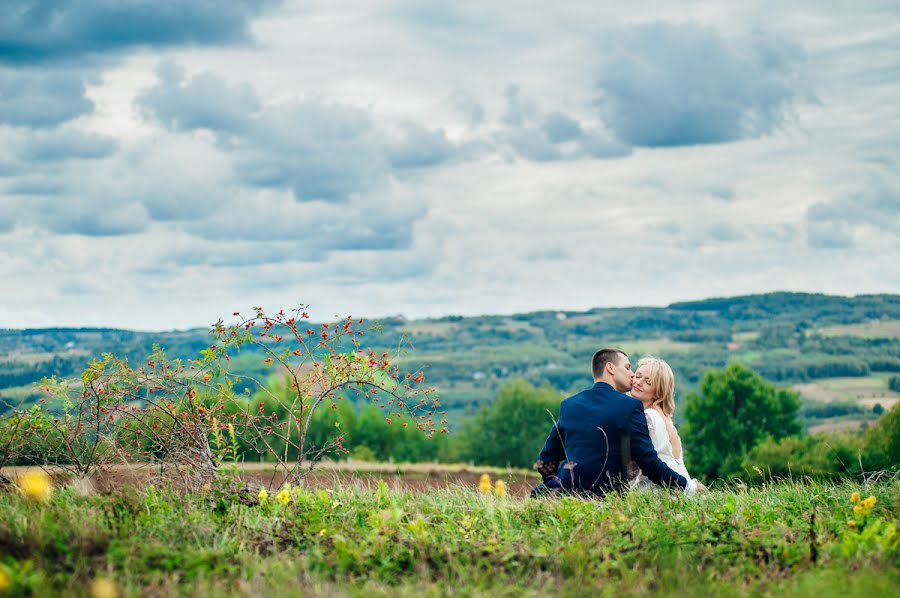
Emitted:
pixel 166 163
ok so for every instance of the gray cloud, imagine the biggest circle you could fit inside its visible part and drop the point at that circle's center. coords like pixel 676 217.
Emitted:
pixel 319 150
pixel 63 30
pixel 65 144
pixel 83 217
pixel 554 136
pixel 417 147
pixel 671 85
pixel 468 106
pixel 205 101
pixel 35 186
pixel 723 192
pixel 829 235
pixel 831 224
pixel 41 97
pixel 560 128
pixel 723 231
pixel 548 254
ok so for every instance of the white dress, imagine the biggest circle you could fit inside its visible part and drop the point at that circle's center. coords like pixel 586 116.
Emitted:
pixel 659 434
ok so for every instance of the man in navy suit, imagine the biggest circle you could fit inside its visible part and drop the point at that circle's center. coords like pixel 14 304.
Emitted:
pixel 599 433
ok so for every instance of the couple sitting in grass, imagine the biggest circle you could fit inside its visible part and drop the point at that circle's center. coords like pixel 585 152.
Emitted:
pixel 603 435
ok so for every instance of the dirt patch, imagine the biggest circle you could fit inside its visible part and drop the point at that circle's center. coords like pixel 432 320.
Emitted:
pixel 853 424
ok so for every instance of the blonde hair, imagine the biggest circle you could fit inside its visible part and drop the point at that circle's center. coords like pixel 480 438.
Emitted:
pixel 662 381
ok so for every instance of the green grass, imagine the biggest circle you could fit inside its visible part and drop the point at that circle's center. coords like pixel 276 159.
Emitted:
pixel 785 539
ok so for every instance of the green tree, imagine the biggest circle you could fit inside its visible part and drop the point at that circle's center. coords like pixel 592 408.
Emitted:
pixel 881 447
pixel 734 411
pixel 512 430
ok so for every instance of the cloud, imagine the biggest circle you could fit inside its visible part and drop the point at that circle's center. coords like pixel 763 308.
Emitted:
pixel 547 254
pixel 553 136
pixel 418 147
pixel 41 97
pixel 466 105
pixel 829 235
pixel 723 192
pixel 320 150
pixel 65 144
pixel 723 231
pixel 833 224
pixel 672 85
pixel 206 101
pixel 34 31
pixel 112 219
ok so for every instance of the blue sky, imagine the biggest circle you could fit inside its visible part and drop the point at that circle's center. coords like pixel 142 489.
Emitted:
pixel 168 163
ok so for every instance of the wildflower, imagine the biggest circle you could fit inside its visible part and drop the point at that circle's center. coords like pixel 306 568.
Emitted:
pixel 263 495
pixel 854 498
pixel 322 532
pixel 36 485
pixel 500 488
pixel 859 510
pixel 284 497
pixel 5 580
pixel 484 485
pixel 103 587
pixel 851 523
pixel 869 502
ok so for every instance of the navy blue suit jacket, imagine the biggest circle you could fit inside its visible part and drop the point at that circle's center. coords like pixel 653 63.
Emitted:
pixel 599 432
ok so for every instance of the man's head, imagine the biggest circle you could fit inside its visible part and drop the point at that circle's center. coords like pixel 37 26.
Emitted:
pixel 613 367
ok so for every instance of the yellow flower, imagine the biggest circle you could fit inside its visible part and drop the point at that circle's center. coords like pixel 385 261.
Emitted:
pixel 103 587
pixel 5 580
pixel 854 498
pixel 284 497
pixel 36 485
pixel 869 502
pixel 485 484
pixel 851 523
pixel 322 532
pixel 500 488
pixel 263 494
pixel 859 510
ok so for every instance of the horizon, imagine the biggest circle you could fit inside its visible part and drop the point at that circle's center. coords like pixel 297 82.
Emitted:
pixel 166 167
pixel 314 319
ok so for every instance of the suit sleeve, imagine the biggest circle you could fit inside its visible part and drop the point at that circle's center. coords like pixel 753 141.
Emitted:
pixel 552 453
pixel 644 454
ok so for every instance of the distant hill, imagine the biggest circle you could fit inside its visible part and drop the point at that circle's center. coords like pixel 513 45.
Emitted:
pixel 787 337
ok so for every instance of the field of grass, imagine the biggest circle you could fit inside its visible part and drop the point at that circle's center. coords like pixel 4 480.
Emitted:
pixel 652 346
pixel 365 540
pixel 870 329
pixel 866 390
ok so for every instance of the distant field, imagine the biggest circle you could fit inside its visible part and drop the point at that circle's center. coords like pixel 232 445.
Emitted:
pixel 871 329
pixel 867 391
pixel 652 345
pixel 836 425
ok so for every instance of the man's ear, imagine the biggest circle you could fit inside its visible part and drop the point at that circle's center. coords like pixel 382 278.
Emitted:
pixel 610 368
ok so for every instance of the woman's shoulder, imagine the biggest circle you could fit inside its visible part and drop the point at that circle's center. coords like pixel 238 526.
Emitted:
pixel 655 414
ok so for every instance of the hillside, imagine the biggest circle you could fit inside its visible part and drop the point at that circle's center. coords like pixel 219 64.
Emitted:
pixel 839 351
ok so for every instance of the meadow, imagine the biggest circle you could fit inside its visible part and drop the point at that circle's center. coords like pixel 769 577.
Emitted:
pixel 362 538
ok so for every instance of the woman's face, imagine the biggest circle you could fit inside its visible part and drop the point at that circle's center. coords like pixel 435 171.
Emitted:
pixel 642 386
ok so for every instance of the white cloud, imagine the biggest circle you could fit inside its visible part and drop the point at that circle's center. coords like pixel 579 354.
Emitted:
pixel 383 158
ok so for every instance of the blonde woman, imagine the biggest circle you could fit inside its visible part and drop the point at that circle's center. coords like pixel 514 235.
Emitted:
pixel 654 385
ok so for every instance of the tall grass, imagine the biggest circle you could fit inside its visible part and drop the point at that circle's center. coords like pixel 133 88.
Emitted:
pixel 364 539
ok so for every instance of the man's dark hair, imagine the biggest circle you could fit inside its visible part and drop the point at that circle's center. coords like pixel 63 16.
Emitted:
pixel 604 356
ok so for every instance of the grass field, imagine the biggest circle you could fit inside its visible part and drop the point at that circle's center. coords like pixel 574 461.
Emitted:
pixel 868 390
pixel 366 539
pixel 871 329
